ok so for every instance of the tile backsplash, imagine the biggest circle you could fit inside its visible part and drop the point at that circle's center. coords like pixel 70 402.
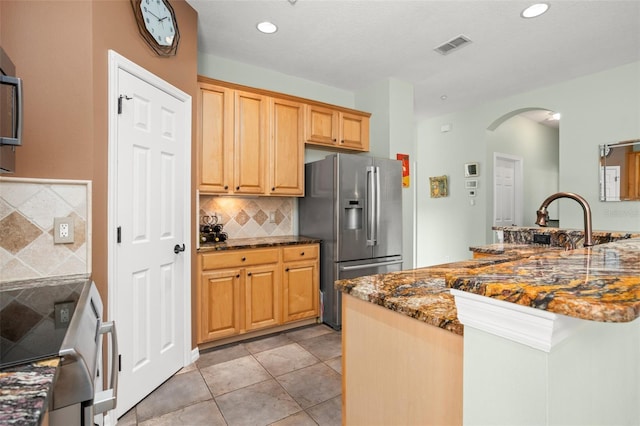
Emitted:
pixel 27 210
pixel 250 217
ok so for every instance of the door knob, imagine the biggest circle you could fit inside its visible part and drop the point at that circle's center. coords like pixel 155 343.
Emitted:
pixel 177 248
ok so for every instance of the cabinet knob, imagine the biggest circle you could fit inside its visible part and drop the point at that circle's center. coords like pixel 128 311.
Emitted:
pixel 226 187
pixel 301 253
pixel 238 276
pixel 286 270
pixel 237 188
pixel 273 188
pixel 244 258
pixel 342 141
pixel 249 274
pixel 334 140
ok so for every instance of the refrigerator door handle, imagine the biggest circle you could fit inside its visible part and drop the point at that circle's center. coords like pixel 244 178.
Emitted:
pixel 371 205
pixel 377 212
pixel 369 265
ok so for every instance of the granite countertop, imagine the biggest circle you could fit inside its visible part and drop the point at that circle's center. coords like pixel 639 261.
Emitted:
pixel 247 243
pixel 419 293
pixel 24 392
pixel 517 251
pixel 601 283
pixel 24 389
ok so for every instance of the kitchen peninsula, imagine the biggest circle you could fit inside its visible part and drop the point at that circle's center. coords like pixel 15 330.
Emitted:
pixel 550 338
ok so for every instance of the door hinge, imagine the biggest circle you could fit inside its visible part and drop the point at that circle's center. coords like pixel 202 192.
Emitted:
pixel 119 362
pixel 120 102
pixel 119 235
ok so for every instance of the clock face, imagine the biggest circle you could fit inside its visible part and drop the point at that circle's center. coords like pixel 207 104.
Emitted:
pixel 158 21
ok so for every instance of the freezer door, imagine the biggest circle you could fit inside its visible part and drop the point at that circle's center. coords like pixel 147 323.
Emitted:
pixel 389 216
pixel 332 298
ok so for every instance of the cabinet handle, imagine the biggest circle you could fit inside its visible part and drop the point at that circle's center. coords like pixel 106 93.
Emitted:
pixel 244 258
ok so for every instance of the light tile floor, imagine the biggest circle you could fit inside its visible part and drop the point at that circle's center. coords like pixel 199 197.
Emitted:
pixel 291 378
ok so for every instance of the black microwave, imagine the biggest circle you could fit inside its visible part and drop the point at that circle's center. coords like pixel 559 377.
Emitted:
pixel 10 113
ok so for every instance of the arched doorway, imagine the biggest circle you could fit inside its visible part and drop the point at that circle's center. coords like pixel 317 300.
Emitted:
pixel 523 162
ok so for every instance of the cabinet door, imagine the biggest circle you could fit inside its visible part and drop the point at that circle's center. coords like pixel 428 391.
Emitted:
pixel 300 290
pixel 286 165
pixel 219 304
pixel 354 131
pixel 262 296
pixel 321 125
pixel 250 143
pixel 215 138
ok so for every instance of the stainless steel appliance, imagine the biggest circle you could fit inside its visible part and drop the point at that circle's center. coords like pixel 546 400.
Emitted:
pixel 353 203
pixel 65 320
pixel 10 113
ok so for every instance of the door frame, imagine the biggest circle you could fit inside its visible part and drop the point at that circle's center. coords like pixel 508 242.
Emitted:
pixel 118 62
pixel 518 182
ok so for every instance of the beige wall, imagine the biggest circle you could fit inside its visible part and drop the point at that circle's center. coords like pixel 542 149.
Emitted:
pixel 60 50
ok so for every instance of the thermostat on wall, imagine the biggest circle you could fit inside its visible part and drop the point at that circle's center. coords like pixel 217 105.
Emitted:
pixel 471 170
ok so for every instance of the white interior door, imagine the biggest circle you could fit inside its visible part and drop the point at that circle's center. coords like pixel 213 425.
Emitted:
pixel 507 189
pixel 150 289
pixel 610 183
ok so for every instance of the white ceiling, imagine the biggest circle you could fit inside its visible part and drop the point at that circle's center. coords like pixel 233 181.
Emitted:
pixel 352 44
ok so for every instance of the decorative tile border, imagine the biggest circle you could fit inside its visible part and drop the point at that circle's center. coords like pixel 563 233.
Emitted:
pixel 27 210
pixel 250 217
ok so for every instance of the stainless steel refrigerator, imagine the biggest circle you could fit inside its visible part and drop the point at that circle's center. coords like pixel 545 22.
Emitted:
pixel 353 203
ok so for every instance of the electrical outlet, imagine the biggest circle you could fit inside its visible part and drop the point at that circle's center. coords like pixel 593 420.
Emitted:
pixel 62 230
pixel 63 313
pixel 272 216
pixel 541 239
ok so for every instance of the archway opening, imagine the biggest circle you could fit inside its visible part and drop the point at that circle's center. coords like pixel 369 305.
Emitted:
pixel 523 166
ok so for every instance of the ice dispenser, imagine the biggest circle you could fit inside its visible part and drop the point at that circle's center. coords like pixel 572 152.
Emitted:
pixel 353 214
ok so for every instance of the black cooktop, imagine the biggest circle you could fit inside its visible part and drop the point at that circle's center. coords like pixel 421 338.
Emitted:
pixel 34 319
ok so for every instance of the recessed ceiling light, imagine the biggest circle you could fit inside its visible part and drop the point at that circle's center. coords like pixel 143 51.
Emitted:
pixel 443 97
pixel 535 10
pixel 267 27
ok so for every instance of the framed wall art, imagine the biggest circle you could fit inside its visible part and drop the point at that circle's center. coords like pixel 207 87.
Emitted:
pixel 405 169
pixel 439 186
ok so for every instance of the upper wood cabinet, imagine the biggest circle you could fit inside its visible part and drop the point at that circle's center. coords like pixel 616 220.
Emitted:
pixel 215 138
pixel 251 141
pixel 336 128
pixel 232 140
pixel 286 165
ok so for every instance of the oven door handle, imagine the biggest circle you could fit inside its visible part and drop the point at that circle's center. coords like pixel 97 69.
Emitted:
pixel 106 400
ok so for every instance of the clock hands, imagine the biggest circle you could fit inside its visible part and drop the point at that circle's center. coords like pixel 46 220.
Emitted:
pixel 156 16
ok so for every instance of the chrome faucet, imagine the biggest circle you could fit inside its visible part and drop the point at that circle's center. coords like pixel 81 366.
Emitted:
pixel 543 214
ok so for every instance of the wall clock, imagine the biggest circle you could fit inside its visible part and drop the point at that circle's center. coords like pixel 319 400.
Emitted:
pixel 157 24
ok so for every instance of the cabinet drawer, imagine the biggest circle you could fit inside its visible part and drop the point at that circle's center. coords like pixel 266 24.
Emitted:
pixel 291 254
pixel 239 258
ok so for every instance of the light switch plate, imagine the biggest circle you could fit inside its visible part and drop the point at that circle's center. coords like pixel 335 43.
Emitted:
pixel 63 230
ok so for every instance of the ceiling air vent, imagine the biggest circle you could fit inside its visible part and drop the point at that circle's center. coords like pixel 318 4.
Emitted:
pixel 453 44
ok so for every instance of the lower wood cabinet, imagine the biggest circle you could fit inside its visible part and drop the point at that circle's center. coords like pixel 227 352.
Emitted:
pixel 241 291
pixel 300 283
